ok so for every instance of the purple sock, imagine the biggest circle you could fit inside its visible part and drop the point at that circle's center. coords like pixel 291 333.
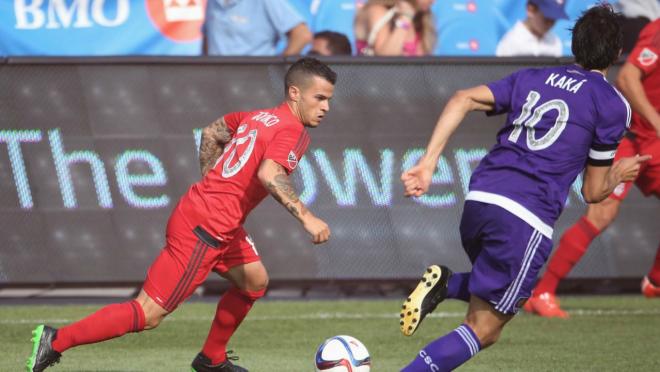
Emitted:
pixel 457 288
pixel 447 352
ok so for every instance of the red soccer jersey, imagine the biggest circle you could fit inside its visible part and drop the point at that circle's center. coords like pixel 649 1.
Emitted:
pixel 221 200
pixel 645 57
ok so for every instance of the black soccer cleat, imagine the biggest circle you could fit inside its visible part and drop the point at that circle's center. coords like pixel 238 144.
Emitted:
pixel 43 355
pixel 202 363
pixel 430 292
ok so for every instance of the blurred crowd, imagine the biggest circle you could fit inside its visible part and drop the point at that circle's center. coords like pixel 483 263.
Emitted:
pixel 403 27
pixel 471 28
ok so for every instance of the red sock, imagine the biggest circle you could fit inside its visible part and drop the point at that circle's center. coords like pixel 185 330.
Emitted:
pixel 232 309
pixel 109 322
pixel 654 274
pixel 572 246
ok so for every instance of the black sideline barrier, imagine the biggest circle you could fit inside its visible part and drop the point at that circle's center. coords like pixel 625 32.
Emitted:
pixel 94 154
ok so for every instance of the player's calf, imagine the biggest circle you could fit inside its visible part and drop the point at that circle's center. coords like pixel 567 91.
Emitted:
pixel 431 291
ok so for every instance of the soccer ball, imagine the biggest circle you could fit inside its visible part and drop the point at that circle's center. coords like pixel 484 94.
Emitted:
pixel 342 354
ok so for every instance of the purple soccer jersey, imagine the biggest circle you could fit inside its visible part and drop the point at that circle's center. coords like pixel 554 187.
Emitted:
pixel 558 120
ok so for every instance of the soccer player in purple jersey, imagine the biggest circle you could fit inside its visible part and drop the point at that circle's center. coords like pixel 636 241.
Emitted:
pixel 559 121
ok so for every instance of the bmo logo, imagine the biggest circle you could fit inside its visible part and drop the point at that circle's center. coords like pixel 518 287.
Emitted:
pixel 177 20
pixel 54 14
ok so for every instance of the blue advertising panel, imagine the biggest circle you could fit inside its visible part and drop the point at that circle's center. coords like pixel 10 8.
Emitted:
pixel 101 27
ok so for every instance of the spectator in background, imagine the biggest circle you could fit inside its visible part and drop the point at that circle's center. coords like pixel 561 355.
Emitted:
pixel 395 28
pixel 253 28
pixel 330 43
pixel 532 37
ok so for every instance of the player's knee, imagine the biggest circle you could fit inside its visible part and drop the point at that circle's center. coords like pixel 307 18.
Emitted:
pixel 153 312
pixel 257 283
pixel 258 286
pixel 601 221
pixel 152 320
pixel 604 214
pixel 247 294
pixel 153 315
pixel 487 336
pixel 490 338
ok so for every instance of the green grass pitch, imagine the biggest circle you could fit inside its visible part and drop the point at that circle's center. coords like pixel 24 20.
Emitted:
pixel 605 333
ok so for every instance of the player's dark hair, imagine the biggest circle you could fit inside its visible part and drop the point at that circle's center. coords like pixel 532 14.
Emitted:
pixel 305 68
pixel 338 43
pixel 597 37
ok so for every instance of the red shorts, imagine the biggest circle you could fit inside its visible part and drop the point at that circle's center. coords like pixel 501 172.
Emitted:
pixel 188 257
pixel 648 180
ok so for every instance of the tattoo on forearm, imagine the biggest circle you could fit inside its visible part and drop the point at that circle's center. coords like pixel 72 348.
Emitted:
pixel 282 190
pixel 212 144
pixel 284 184
pixel 292 209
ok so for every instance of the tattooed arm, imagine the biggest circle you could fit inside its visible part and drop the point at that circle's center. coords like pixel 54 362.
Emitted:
pixel 274 178
pixel 214 138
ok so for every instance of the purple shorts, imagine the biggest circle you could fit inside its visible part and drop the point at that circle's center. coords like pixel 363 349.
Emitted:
pixel 506 254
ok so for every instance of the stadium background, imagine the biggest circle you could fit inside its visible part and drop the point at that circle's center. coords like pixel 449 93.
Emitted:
pixel 173 27
pixel 95 154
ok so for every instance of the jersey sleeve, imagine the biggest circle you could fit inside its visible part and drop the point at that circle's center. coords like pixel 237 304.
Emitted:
pixel 502 91
pixel 645 54
pixel 609 130
pixel 233 120
pixel 287 147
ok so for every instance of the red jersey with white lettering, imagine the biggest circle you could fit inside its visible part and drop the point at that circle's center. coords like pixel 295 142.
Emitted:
pixel 645 57
pixel 221 200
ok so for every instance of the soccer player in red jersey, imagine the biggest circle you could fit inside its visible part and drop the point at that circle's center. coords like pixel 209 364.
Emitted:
pixel 639 80
pixel 244 156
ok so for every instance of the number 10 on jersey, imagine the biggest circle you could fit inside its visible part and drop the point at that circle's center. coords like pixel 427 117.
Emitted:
pixel 528 119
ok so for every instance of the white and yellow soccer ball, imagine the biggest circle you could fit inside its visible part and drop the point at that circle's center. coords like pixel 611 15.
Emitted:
pixel 342 354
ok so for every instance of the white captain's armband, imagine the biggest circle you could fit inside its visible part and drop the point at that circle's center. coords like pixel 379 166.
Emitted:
pixel 602 155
